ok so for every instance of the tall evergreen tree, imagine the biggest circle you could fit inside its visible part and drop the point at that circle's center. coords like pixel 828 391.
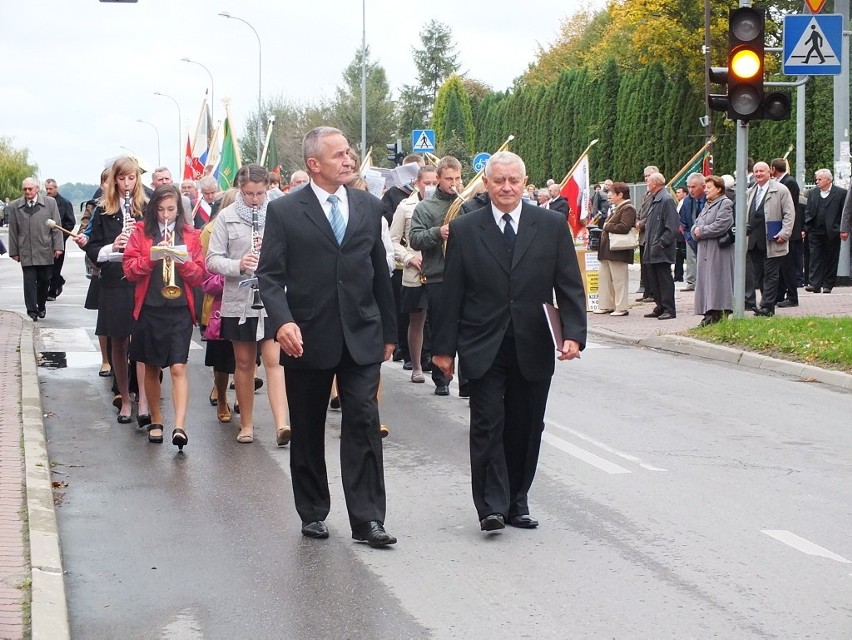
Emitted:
pixel 453 115
pixel 436 60
pixel 346 111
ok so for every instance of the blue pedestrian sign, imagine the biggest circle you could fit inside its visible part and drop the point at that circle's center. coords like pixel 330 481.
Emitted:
pixel 423 140
pixel 479 161
pixel 812 44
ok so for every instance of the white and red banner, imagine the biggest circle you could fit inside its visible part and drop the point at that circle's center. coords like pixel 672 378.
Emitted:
pixel 576 191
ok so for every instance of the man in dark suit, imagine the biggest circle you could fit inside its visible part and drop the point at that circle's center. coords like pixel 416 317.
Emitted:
pixel 557 202
pixel 324 281
pixel 66 214
pixel 791 266
pixel 504 261
pixel 822 223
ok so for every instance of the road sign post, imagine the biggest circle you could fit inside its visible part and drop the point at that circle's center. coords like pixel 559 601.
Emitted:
pixel 812 44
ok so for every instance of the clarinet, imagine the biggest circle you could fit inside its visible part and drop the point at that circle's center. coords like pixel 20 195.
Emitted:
pixel 256 302
pixel 127 221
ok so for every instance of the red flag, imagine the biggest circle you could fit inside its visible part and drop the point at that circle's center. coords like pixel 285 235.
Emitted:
pixel 707 165
pixel 576 192
pixel 192 167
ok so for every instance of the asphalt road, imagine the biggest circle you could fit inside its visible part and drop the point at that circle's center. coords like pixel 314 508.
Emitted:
pixel 677 497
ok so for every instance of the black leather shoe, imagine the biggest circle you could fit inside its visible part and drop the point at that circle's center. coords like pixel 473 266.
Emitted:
pixel 788 303
pixel 826 290
pixel 653 314
pixel 812 289
pixel 143 420
pixel 373 533
pixel 315 529
pixel 42 313
pixel 408 365
pixel 644 299
pixel 33 317
pixel 124 419
pixel 764 312
pixel 494 522
pixel 525 521
pixel 397 355
pixel 442 390
pixel 666 316
pixel 464 390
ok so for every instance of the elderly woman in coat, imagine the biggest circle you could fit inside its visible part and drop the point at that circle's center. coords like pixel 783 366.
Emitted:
pixel 714 278
pixel 612 275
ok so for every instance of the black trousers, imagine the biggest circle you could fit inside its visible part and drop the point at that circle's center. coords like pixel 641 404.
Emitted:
pixel 401 318
pixel 680 258
pixel 506 423
pixel 788 282
pixel 56 279
pixel 797 248
pixel 36 285
pixel 825 254
pixel 361 463
pixel 643 270
pixel 435 296
pixel 766 271
pixel 661 286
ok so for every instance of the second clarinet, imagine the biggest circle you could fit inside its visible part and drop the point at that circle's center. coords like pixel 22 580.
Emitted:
pixel 128 221
pixel 256 240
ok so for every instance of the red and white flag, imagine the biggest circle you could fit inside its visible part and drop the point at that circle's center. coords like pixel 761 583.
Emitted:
pixel 192 166
pixel 575 190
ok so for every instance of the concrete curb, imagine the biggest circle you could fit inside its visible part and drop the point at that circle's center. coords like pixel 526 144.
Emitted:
pixel 49 610
pixel 721 353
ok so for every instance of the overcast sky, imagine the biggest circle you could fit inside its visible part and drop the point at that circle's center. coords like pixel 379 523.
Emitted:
pixel 77 74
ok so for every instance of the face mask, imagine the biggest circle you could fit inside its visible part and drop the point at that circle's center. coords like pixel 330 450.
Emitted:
pixel 429 191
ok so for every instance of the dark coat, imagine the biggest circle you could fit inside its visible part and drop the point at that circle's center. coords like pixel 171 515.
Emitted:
pixel 66 212
pixel 833 204
pixel 661 229
pixel 559 205
pixel 621 220
pixel 793 187
pixel 486 288
pixel 338 296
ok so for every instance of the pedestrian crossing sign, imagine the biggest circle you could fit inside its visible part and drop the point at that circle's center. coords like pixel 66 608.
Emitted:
pixel 812 44
pixel 423 140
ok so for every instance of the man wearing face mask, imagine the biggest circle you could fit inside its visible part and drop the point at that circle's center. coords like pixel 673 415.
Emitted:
pixel 427 235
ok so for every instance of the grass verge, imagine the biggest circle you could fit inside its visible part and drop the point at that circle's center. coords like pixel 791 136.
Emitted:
pixel 823 342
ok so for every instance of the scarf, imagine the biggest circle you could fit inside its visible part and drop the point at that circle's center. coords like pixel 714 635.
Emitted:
pixel 244 211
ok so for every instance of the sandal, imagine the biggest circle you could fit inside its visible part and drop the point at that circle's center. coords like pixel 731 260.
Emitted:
pixel 245 437
pixel 106 371
pixel 224 415
pixel 157 439
pixel 214 397
pixel 179 438
pixel 143 420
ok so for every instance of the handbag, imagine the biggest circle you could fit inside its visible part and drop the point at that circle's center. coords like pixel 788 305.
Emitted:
pixel 621 241
pixel 728 239
pixel 214 324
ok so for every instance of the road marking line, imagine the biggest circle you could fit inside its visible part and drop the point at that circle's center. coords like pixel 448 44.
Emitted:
pixel 604 446
pixel 805 546
pixel 582 454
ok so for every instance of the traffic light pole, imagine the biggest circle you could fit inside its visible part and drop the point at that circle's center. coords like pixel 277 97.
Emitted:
pixel 740 220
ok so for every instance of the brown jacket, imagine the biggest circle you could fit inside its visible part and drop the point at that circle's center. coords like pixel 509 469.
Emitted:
pixel 619 221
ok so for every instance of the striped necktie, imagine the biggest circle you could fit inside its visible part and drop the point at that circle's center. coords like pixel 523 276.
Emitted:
pixel 338 225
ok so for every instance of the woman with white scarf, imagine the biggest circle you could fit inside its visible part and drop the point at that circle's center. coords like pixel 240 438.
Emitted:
pixel 234 253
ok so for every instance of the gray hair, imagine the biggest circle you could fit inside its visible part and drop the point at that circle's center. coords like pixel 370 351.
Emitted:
pixel 823 173
pixel 658 178
pixel 208 182
pixel 311 141
pixel 160 170
pixel 695 177
pixel 50 181
pixel 505 158
pixel 651 169
pixel 33 182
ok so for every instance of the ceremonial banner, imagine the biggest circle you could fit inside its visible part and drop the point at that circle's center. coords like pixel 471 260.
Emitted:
pixel 576 191
pixel 229 163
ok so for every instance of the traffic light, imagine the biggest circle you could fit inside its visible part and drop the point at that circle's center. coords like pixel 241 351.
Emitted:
pixel 746 98
pixel 395 153
pixel 745 63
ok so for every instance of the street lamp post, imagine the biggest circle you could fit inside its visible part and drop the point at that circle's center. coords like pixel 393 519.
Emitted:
pixel 363 78
pixel 157 131
pixel 225 14
pixel 180 120
pixel 212 103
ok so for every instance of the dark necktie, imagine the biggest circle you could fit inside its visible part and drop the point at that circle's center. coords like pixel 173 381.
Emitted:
pixel 508 232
